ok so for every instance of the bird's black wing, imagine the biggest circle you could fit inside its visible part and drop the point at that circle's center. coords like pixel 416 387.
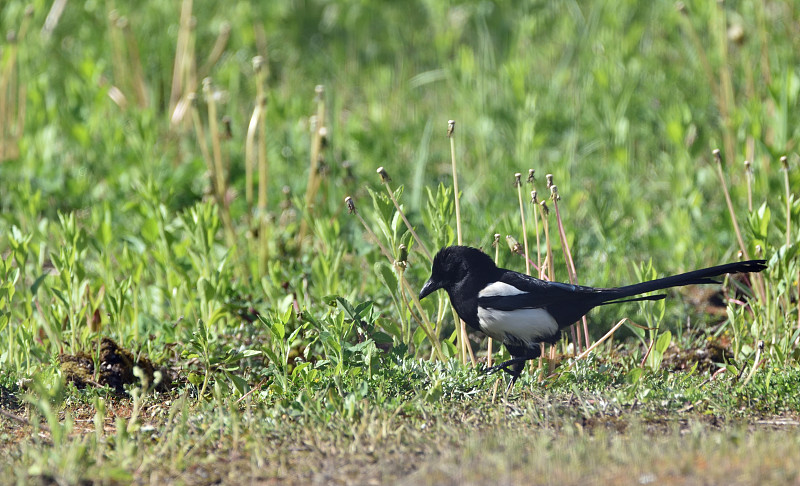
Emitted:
pixel 519 291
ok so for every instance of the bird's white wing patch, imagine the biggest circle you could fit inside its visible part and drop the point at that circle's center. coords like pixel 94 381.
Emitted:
pixel 499 289
pixel 522 325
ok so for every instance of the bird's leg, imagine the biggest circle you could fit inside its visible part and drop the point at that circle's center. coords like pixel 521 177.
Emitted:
pixel 515 372
pixel 506 364
pixel 513 367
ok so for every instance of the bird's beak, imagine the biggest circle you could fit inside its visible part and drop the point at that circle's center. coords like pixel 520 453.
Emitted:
pixel 429 287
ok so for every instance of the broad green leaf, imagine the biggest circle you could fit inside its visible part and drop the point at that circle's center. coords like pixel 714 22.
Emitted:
pixel 238 382
pixel 386 275
pixel 663 342
pixel 634 375
pixel 278 329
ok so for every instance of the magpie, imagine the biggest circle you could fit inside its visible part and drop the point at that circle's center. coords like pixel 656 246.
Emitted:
pixel 522 311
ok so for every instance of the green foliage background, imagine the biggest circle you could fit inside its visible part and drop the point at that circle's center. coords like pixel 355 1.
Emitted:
pixel 108 207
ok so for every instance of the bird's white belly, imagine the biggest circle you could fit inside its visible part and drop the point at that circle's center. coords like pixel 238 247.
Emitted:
pixel 527 325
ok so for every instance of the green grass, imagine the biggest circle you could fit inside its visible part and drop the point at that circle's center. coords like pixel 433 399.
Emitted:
pixel 283 329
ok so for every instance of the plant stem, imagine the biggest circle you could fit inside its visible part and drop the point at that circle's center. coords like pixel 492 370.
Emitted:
pixel 785 164
pixel 571 272
pixel 466 348
pixel 428 328
pixel 731 212
pixel 263 162
pixel 450 129
pixel 748 173
pixel 599 342
pixel 536 229
pixel 316 148
pixel 219 170
pixel 549 253
pixel 201 140
pixel 216 147
pixel 758 279
pixel 181 52
pixel 249 156
pixel 518 183
pixel 385 179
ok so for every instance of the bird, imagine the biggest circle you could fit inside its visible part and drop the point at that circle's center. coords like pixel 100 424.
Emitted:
pixel 522 311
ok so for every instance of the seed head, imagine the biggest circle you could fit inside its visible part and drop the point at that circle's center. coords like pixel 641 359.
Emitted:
pixel 545 209
pixel 736 34
pixel 784 162
pixel 533 198
pixel 496 240
pixel 208 90
pixel 226 122
pixel 384 175
pixel 402 258
pixel 451 127
pixel 717 156
pixel 258 63
pixel 517 179
pixel 287 198
pixel 514 245
pixel 531 176
pixel 554 193
pixel 549 179
pixel 351 205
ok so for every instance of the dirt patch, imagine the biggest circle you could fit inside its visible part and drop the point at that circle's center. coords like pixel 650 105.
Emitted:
pixel 707 357
pixel 115 368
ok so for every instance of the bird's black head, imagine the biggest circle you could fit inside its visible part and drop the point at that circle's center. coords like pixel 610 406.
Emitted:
pixel 454 264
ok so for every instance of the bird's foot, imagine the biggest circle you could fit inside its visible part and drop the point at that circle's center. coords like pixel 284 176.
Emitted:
pixel 506 366
pixel 513 367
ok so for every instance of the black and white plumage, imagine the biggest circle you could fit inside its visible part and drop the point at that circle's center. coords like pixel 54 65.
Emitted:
pixel 522 311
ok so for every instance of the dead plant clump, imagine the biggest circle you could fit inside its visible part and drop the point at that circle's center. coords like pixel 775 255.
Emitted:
pixel 115 368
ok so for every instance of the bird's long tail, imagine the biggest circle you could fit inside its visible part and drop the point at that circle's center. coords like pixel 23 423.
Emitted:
pixel 703 276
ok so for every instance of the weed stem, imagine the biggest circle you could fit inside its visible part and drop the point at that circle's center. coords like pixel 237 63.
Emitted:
pixel 385 179
pixel 466 348
pixel 518 183
pixel 785 165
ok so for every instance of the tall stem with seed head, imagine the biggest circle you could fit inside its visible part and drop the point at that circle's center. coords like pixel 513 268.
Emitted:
pixel 785 166
pixel 532 181
pixel 451 126
pixel 466 348
pixel 758 279
pixel 518 183
pixel 385 179
pixel 572 273
pixel 318 128
pixel 427 327
pixel 748 173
